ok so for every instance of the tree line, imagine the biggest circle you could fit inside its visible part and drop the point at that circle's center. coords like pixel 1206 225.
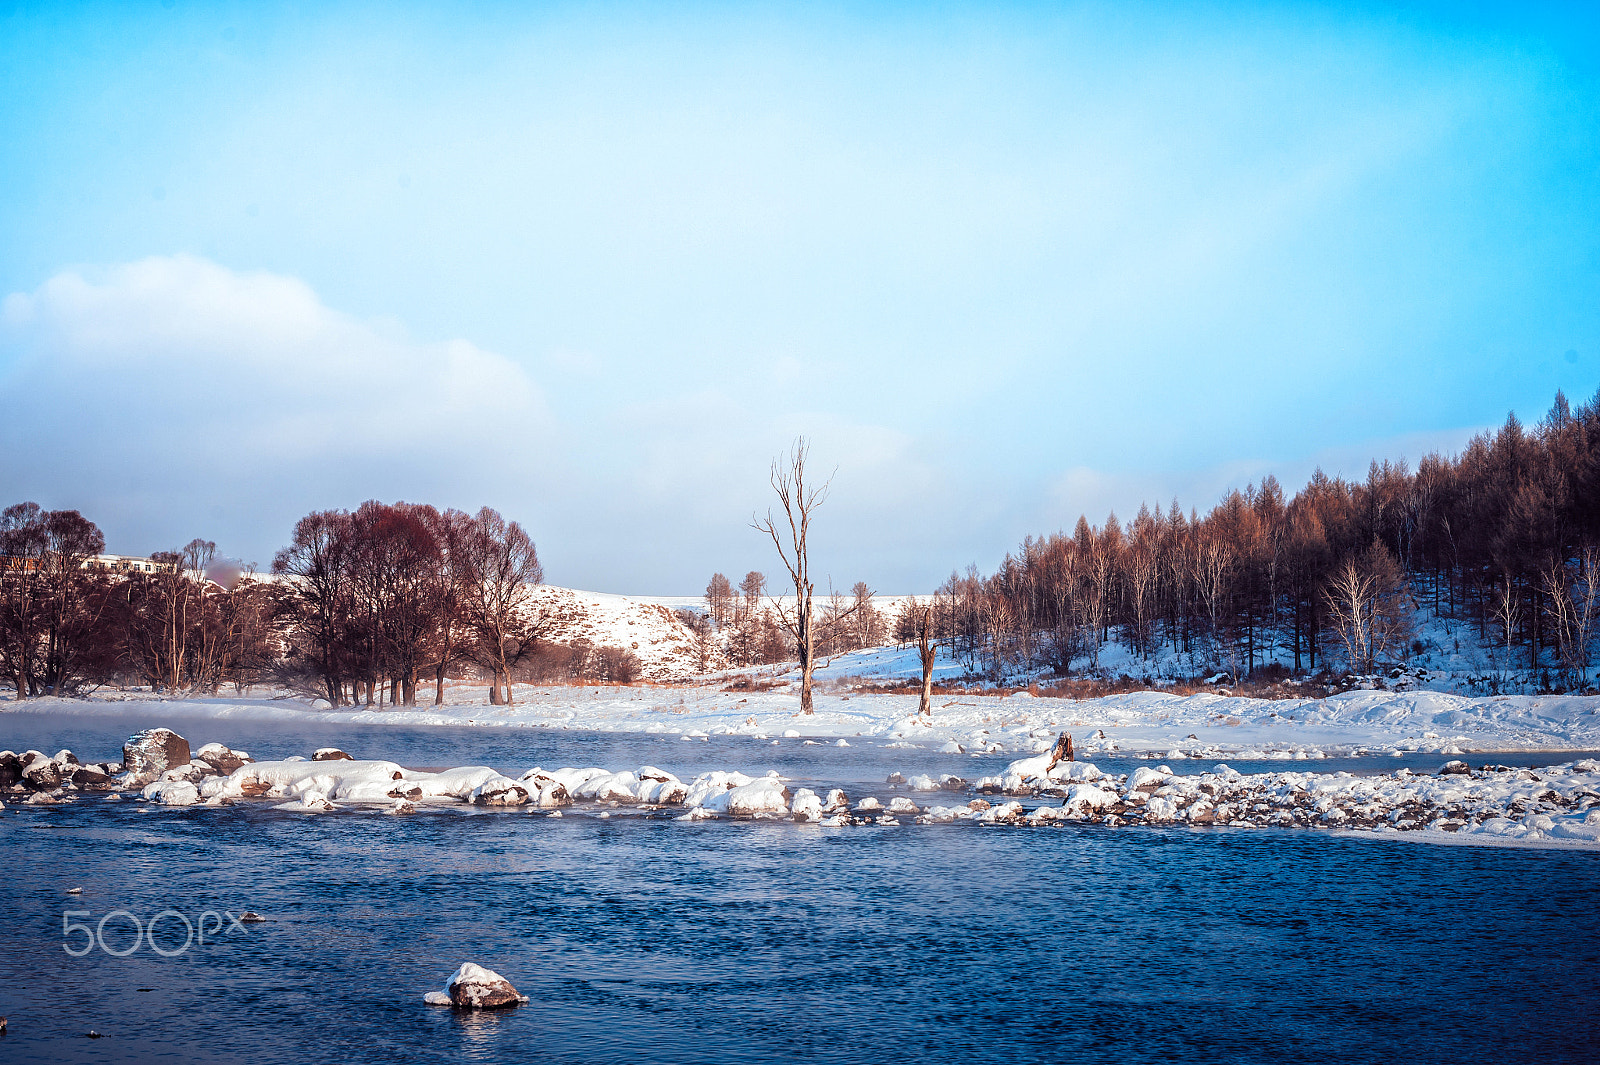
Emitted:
pixel 363 606
pixel 1504 538
pixel 743 627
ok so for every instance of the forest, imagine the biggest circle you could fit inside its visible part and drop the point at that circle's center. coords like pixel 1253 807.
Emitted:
pixel 1503 538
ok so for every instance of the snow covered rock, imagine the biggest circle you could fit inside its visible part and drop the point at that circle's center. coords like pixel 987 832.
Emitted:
pixel 152 752
pixel 330 754
pixel 222 759
pixel 1085 799
pixel 1075 771
pixel 1454 769
pixel 172 793
pixel 544 790
pixel 41 773
pixel 91 776
pixel 764 796
pixel 1145 778
pixel 475 988
pixel 806 806
pixel 902 805
pixel 191 772
pixel 709 790
pixel 837 800
pixel 501 792
pixel 1006 811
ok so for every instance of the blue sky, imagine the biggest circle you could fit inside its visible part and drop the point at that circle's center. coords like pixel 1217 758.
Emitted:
pixel 595 265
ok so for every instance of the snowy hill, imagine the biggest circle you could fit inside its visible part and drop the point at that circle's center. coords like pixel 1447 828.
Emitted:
pixel 664 645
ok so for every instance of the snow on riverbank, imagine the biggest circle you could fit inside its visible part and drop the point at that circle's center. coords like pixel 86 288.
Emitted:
pixel 1155 724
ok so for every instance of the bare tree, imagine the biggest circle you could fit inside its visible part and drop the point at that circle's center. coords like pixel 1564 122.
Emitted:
pixel 1365 601
pixel 927 650
pixel 318 561
pixel 798 499
pixel 1507 608
pixel 503 567
pixel 699 625
pixel 753 587
pixel 1574 598
pixel 719 599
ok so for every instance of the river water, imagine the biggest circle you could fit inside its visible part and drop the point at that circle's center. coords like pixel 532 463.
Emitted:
pixel 650 939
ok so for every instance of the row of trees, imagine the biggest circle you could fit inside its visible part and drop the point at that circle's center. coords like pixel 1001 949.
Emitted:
pixel 65 623
pixel 363 605
pixel 743 627
pixel 1503 538
pixel 389 595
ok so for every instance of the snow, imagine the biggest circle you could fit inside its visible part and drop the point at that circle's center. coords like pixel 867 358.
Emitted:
pixel 1158 724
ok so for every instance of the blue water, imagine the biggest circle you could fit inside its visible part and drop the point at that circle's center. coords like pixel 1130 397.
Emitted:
pixel 655 940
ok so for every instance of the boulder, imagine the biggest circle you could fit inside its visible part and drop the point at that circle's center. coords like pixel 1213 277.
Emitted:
pixel 501 792
pixel 172 793
pixel 65 757
pixel 42 774
pixel 330 754
pixel 10 768
pixel 191 772
pixel 807 806
pixel 764 796
pixel 152 752
pixel 91 776
pixel 1454 769
pixel 475 988
pixel 222 759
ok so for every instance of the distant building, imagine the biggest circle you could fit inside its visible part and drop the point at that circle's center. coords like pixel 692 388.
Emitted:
pixel 126 564
pixel 100 563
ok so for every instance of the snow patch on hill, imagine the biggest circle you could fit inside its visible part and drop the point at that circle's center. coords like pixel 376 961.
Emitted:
pixel 664 645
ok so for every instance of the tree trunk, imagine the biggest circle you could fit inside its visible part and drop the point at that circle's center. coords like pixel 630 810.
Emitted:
pixel 807 653
pixel 1062 751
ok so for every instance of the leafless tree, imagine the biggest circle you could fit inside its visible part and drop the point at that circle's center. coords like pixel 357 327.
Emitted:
pixel 753 588
pixel 1574 596
pixel 798 499
pixel 699 626
pixel 52 611
pixel 503 568
pixel 719 599
pixel 1364 598
pixel 927 650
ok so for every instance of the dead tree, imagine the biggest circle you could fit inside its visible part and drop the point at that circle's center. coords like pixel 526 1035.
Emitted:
pixel 927 649
pixel 799 499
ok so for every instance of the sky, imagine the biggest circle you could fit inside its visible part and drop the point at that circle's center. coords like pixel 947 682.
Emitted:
pixel 597 265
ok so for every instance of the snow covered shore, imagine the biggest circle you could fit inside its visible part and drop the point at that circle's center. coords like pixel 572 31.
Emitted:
pixel 1152 723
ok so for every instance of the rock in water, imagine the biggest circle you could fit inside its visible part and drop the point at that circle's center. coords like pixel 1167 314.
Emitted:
pixel 221 758
pixel 91 777
pixel 331 754
pixel 152 752
pixel 475 988
pixel 41 773
pixel 1454 769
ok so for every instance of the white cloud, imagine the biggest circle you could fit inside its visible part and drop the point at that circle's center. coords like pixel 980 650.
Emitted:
pixel 176 392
